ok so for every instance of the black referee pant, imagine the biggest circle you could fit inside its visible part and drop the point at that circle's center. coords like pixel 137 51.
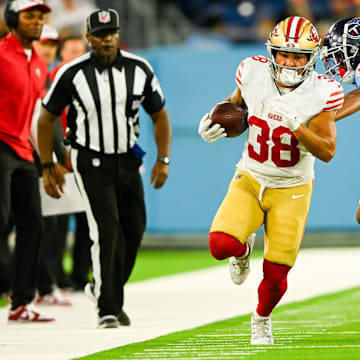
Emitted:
pixel 19 189
pixel 112 188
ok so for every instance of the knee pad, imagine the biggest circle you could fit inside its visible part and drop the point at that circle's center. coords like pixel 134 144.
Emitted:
pixel 223 246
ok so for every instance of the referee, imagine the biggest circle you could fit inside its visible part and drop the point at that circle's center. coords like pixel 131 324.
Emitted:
pixel 102 91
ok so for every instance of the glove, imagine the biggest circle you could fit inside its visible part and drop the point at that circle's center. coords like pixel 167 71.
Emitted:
pixel 289 115
pixel 210 133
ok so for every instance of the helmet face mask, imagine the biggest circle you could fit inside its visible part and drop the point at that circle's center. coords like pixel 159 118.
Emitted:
pixel 295 35
pixel 341 48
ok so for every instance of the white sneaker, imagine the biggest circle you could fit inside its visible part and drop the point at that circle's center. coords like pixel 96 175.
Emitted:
pixel 54 298
pixel 261 330
pixel 240 266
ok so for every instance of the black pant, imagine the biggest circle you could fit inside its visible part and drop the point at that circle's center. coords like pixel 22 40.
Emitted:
pixel 50 268
pixel 6 261
pixel 116 217
pixel 19 189
pixel 81 252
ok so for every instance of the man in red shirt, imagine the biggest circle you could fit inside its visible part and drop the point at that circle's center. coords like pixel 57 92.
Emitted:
pixel 22 79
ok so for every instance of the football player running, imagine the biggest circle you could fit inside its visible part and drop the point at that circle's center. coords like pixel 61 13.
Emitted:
pixel 291 116
pixel 341 56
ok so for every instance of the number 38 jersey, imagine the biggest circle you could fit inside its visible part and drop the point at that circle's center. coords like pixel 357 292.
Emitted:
pixel 272 154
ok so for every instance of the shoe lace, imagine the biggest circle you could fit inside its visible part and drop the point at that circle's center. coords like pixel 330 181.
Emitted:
pixel 261 327
pixel 240 264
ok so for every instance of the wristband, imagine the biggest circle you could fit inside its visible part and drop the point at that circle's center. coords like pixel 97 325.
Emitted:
pixel 47 165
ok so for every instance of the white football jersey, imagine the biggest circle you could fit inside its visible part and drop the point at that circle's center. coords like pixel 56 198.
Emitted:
pixel 272 154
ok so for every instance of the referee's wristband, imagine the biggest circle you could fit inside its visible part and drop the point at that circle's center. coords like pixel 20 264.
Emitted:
pixel 47 165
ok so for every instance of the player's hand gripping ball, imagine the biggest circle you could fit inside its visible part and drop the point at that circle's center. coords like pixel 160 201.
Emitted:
pixel 231 117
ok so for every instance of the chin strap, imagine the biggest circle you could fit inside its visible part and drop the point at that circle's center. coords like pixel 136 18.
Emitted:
pixel 289 77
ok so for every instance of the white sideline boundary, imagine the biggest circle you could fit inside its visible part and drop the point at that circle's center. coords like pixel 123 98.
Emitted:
pixel 172 303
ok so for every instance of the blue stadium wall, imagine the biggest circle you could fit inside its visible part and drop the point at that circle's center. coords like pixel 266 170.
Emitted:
pixel 193 81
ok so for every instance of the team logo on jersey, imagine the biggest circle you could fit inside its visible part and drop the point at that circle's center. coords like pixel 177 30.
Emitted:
pixel 104 17
pixel 38 72
pixel 274 116
pixel 314 34
pixel 353 28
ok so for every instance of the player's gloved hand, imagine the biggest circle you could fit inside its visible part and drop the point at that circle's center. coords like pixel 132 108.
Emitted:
pixel 210 133
pixel 290 117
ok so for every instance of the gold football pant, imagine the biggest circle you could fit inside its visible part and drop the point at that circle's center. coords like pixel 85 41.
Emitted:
pixel 282 211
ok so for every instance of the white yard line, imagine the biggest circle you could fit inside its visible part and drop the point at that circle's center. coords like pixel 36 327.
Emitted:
pixel 164 305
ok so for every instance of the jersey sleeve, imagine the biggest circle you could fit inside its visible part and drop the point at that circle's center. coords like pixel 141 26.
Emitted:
pixel 246 69
pixel 153 95
pixel 335 99
pixel 59 94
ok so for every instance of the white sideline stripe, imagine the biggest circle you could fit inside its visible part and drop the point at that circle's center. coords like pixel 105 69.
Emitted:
pixel 172 303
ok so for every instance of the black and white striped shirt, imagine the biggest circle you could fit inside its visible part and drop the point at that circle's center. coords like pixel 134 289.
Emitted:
pixel 103 102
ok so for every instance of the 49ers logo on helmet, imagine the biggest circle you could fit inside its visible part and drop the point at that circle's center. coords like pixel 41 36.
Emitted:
pixel 275 31
pixel 314 34
pixel 353 28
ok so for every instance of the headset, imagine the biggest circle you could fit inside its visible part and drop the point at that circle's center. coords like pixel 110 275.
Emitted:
pixel 11 17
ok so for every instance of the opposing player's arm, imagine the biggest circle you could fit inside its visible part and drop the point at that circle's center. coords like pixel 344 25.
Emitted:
pixel 319 138
pixel 351 105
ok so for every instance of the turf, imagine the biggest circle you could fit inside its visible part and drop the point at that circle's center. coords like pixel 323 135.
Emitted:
pixel 155 263
pixel 151 264
pixel 323 328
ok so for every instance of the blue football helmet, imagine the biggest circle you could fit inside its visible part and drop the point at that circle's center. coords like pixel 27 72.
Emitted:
pixel 340 51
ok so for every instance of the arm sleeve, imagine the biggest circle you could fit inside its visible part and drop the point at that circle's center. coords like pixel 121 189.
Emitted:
pixel 59 94
pixel 335 98
pixel 153 96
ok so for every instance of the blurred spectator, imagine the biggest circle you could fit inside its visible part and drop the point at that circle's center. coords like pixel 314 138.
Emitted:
pixel 210 38
pixel 50 274
pixel 68 15
pixel 71 48
pixel 335 10
pixel 303 8
pixel 47 45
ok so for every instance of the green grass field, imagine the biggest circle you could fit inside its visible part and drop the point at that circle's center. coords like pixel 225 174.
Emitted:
pixel 323 328
pixel 155 263
pixel 151 264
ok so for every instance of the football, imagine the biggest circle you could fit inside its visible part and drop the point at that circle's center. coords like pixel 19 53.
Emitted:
pixel 231 117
